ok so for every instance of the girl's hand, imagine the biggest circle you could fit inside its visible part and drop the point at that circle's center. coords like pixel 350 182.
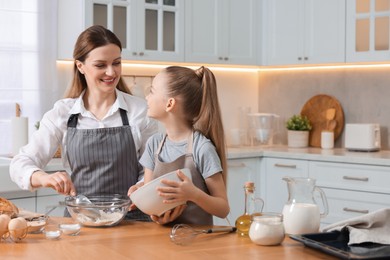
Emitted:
pixel 59 181
pixel 169 216
pixel 131 190
pixel 178 191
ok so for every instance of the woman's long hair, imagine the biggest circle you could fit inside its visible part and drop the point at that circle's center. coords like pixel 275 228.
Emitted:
pixel 197 90
pixel 93 37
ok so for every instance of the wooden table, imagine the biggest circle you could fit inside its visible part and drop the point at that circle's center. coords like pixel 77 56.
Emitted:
pixel 139 240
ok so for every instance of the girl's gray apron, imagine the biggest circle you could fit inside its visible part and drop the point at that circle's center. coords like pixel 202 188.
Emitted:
pixel 103 160
pixel 193 214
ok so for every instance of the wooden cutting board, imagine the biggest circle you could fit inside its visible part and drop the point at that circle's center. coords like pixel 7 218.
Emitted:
pixel 315 110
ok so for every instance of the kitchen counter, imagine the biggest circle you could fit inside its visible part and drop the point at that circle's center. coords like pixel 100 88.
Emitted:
pixel 380 158
pixel 139 240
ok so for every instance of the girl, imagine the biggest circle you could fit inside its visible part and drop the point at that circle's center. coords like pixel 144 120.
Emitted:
pixel 186 103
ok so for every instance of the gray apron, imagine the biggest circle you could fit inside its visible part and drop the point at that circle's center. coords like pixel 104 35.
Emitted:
pixel 103 160
pixel 193 214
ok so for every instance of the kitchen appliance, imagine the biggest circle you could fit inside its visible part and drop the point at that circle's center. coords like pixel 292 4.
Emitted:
pixel 263 127
pixel 362 137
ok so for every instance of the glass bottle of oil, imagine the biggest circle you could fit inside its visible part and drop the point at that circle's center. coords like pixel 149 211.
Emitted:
pixel 244 221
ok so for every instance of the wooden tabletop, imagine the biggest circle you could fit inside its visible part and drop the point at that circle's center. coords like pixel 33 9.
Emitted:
pixel 139 240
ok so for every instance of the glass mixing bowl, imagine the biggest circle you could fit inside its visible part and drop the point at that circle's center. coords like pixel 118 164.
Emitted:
pixel 111 209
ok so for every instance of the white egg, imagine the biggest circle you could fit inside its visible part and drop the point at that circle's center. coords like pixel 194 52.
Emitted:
pixel 17 228
pixel 4 220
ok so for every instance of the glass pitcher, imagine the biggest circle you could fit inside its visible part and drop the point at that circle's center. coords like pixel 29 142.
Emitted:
pixel 301 214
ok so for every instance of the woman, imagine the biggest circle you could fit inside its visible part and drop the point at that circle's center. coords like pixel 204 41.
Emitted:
pixel 185 101
pixel 101 128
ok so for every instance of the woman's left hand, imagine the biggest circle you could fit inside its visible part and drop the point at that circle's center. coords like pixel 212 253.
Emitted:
pixel 178 191
pixel 170 215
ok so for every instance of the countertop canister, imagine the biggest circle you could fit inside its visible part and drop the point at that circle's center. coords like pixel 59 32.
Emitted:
pixel 267 229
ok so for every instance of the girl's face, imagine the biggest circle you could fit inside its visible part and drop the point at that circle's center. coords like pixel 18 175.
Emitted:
pixel 102 68
pixel 157 98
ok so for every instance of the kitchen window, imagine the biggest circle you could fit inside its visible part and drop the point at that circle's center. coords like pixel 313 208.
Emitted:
pixel 27 62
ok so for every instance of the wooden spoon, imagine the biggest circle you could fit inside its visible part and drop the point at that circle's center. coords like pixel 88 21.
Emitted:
pixel 330 114
pixel 332 125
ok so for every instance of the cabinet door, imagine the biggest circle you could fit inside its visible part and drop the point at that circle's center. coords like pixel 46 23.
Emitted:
pixel 345 204
pixel 284 32
pixel 159 30
pixel 45 203
pixel 368 30
pixel 305 32
pixel 276 193
pixel 221 31
pixel 324 31
pixel 25 203
pixel 203 20
pixel 239 172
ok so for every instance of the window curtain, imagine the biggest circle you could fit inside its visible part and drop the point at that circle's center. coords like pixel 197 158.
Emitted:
pixel 27 62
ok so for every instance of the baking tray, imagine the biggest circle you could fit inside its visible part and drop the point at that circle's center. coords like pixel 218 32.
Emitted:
pixel 336 243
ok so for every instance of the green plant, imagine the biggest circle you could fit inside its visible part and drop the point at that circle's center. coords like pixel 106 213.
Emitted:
pixel 298 123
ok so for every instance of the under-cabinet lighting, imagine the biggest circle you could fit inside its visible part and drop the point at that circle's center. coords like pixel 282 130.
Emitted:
pixel 126 64
pixel 347 66
pixel 161 66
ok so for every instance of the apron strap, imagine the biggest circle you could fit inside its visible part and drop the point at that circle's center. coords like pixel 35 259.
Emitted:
pixel 125 120
pixel 72 121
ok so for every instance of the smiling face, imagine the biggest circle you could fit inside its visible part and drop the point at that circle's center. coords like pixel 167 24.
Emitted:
pixel 102 68
pixel 157 98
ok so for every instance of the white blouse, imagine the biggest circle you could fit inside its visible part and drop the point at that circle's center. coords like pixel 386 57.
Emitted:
pixel 53 128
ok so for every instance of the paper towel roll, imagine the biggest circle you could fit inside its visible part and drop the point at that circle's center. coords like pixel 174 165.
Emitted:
pixel 19 133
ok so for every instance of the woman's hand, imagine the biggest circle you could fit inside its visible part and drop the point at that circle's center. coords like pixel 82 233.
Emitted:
pixel 59 181
pixel 178 191
pixel 169 216
pixel 131 190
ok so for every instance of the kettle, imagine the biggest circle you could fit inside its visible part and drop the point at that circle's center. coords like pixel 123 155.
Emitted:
pixel 301 214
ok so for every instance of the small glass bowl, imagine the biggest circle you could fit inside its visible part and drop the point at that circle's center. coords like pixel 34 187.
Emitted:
pixel 36 226
pixel 52 232
pixel 71 229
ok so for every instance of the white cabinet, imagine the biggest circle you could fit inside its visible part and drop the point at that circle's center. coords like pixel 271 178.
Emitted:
pixel 368 30
pixel 352 189
pixel 304 32
pixel 239 172
pixel 222 31
pixel 275 192
pixel 148 29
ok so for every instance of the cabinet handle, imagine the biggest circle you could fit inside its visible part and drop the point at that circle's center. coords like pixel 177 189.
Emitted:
pixel 355 178
pixel 236 165
pixel 220 58
pixel 306 58
pixel 292 166
pixel 299 58
pixel 134 54
pixel 226 58
pixel 141 53
pixel 363 211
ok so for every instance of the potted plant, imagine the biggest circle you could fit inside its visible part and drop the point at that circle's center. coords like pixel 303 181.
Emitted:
pixel 298 127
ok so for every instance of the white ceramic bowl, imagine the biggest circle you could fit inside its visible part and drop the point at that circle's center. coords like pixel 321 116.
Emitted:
pixel 146 198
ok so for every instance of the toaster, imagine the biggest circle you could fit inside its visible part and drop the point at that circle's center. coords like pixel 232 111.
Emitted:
pixel 362 137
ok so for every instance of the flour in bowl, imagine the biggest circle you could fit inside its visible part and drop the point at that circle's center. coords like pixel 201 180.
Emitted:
pixel 105 219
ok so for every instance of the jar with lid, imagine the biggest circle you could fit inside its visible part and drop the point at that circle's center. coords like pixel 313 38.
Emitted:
pixel 267 229
pixel 253 206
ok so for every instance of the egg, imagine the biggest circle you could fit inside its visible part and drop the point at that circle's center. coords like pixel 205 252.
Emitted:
pixel 4 220
pixel 17 228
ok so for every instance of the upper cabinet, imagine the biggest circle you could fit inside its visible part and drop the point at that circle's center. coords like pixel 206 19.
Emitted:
pixel 222 31
pixel 148 29
pixel 368 30
pixel 304 32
